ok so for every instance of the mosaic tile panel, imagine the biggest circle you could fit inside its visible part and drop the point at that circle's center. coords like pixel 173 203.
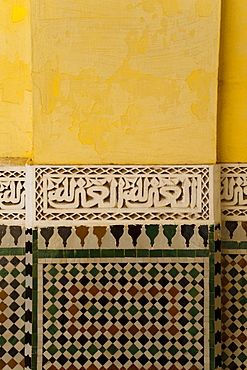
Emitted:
pixel 12 307
pixel 234 311
pixel 130 315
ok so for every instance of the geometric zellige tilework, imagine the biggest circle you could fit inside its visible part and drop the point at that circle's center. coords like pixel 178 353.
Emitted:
pixel 234 311
pixel 12 312
pixel 127 316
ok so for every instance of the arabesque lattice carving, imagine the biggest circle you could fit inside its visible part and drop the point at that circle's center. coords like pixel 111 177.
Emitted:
pixel 122 193
pixel 234 191
pixel 12 194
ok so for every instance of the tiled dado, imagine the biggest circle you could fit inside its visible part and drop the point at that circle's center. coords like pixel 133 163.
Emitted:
pixel 234 264
pixel 130 309
pixel 122 266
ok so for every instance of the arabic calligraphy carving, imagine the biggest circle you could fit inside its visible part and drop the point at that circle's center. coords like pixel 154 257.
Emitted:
pixel 12 195
pixel 234 191
pixel 122 193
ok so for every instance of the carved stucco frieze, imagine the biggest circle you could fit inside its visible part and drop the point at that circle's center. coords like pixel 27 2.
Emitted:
pixel 130 194
pixel 107 194
pixel 234 192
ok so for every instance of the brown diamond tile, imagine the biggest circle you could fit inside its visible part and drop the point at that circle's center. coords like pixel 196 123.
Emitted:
pixel 113 291
pixel 73 290
pixel 92 330
pixel 72 330
pixel 73 309
pixel 173 330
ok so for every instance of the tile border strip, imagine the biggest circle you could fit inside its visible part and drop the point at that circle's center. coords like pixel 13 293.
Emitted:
pixel 28 301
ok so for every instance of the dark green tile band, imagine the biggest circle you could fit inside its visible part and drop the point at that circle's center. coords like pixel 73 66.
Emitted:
pixel 234 245
pixel 12 251
pixel 121 253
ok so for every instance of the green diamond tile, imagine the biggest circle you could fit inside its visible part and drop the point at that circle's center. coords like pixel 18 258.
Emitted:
pixel 153 310
pixel 133 272
pixel 242 357
pixel 153 272
pixel 173 272
pixel 242 281
pixel 242 319
pixel 193 311
pixel 113 310
pixel 193 292
pixel 52 329
pixel 112 349
pixel 2 341
pixel 3 273
pixel 15 272
pixel 153 350
pixel 92 349
pixel 53 271
pixel 74 271
pixel 133 310
pixel 194 273
pixel 52 349
pixel 53 290
pixel 193 351
pixel 93 310
pixel 13 340
pixel 193 331
pixel 113 271
pixel 133 349
pixel 173 350
pixel 52 309
pixel 94 272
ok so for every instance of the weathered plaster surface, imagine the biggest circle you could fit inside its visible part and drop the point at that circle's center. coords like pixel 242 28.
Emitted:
pixel 126 81
pixel 232 112
pixel 15 79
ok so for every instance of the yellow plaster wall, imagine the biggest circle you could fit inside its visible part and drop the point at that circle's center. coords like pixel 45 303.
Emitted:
pixel 15 79
pixel 130 81
pixel 232 109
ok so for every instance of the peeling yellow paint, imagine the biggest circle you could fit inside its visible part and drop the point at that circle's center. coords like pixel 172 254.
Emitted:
pixel 15 80
pixel 203 8
pixel 19 80
pixel 232 112
pixel 111 81
pixel 18 13
pixel 202 83
pixel 170 7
